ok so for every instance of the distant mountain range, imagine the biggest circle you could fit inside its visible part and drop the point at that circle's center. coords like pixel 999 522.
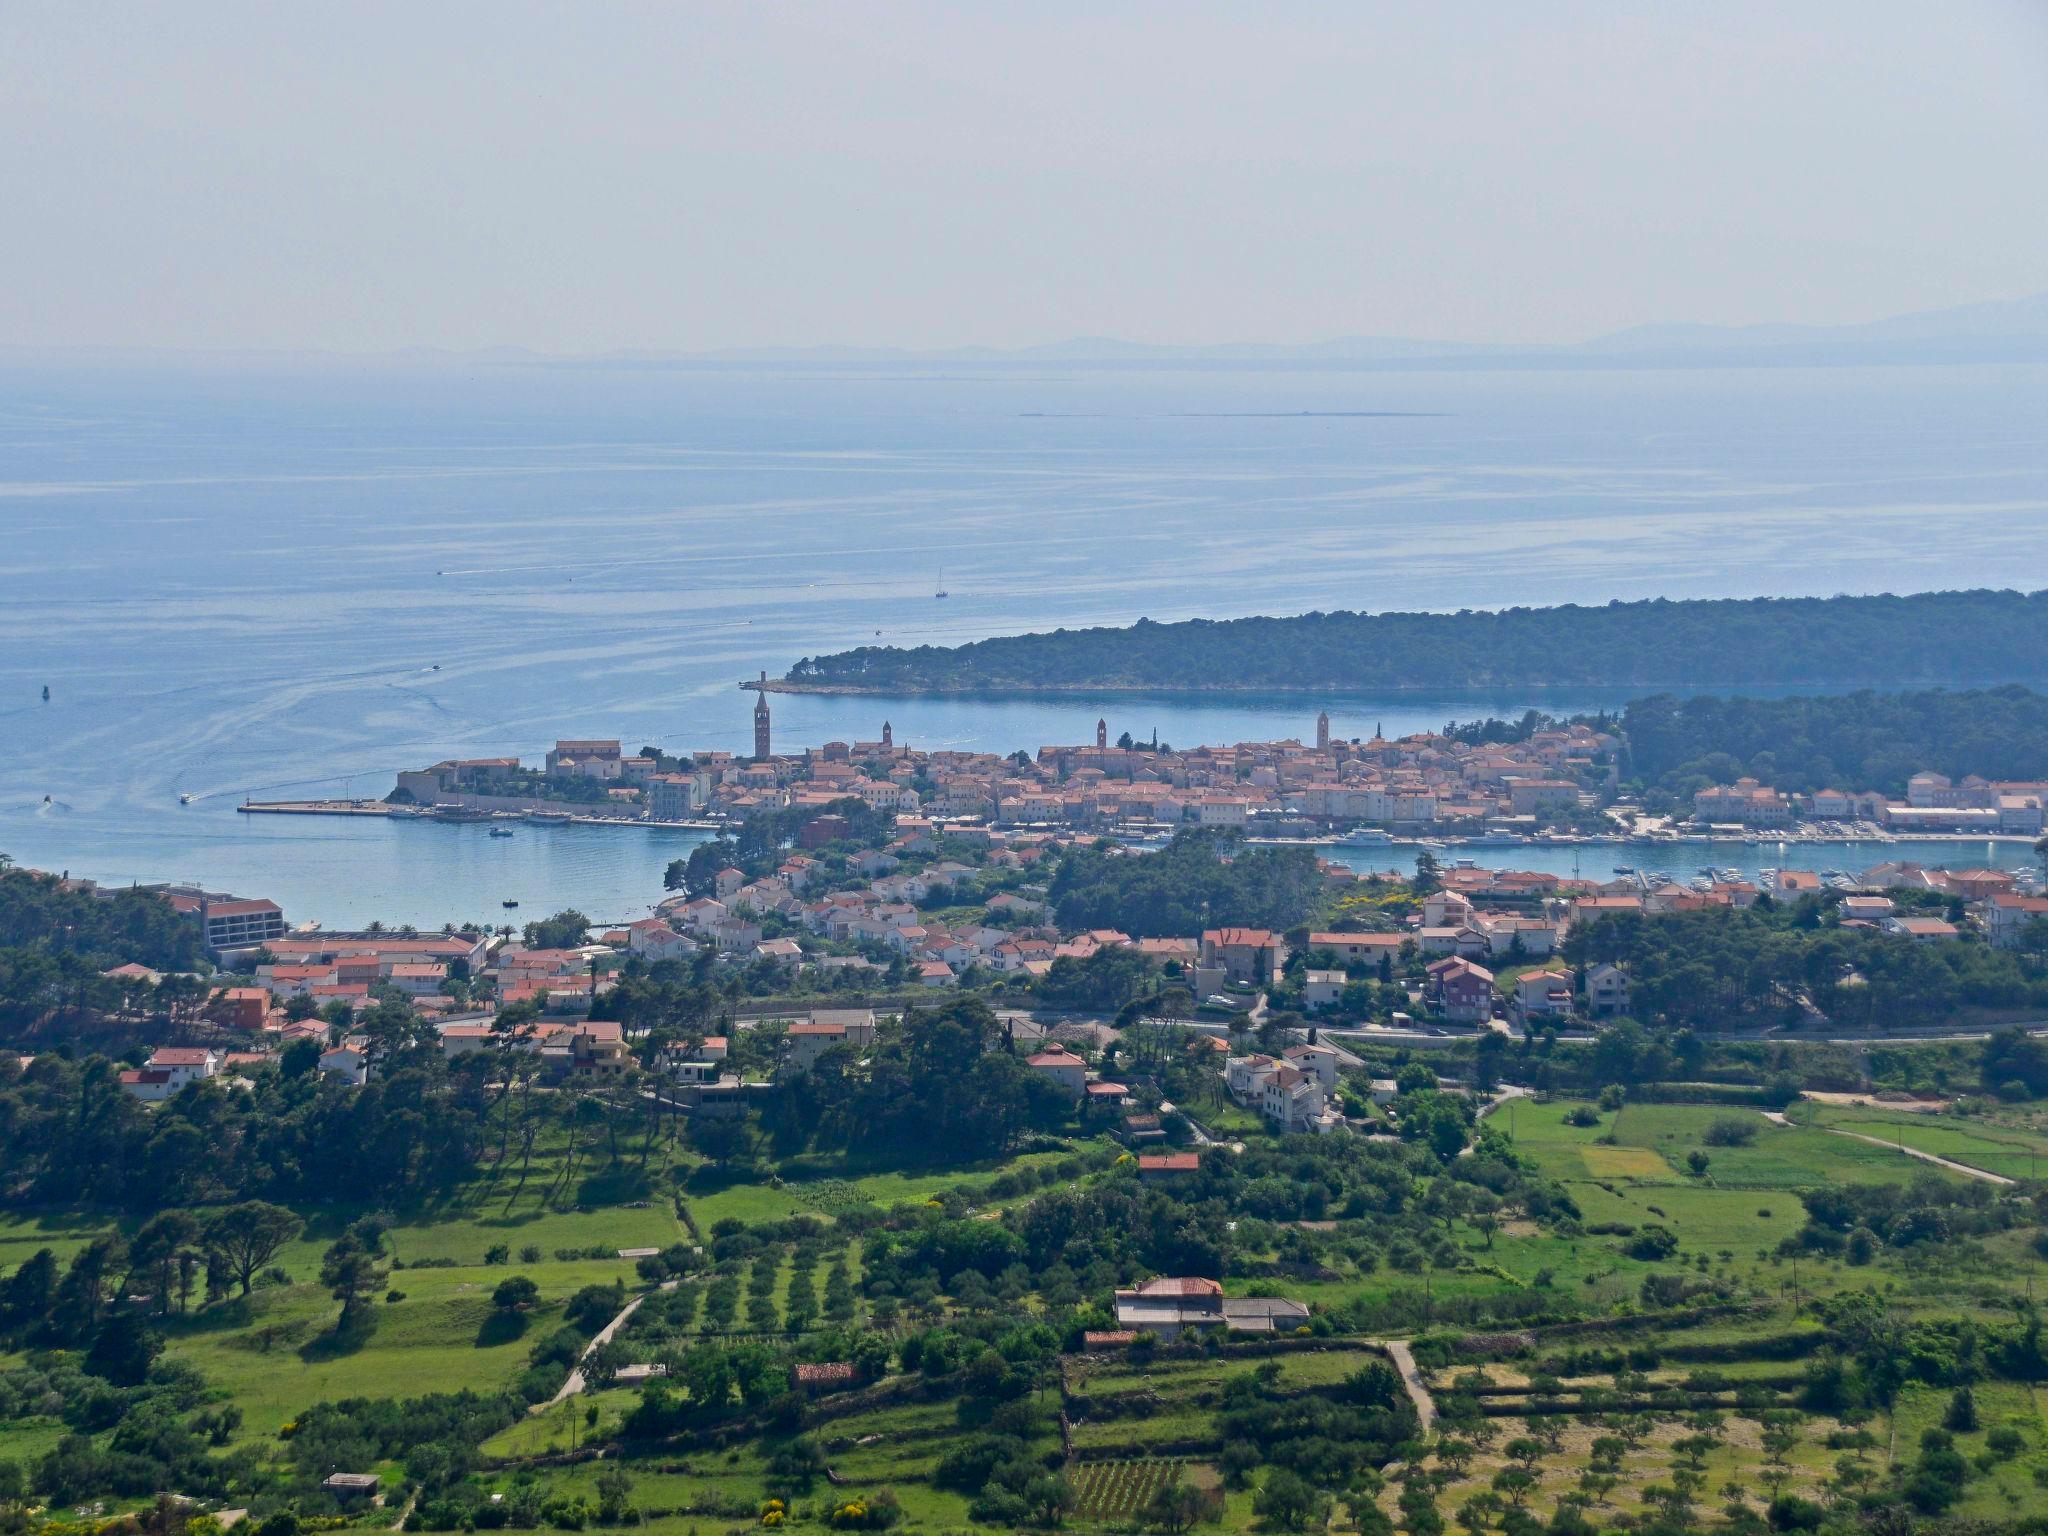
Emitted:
pixel 1999 330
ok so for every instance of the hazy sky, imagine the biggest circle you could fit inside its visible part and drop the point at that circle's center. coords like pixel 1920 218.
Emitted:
pixel 582 176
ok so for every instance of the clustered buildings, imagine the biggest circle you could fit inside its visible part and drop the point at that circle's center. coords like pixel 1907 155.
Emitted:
pixel 1933 803
pixel 1422 781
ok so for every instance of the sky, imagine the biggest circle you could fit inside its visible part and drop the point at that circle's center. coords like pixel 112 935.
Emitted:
pixel 588 177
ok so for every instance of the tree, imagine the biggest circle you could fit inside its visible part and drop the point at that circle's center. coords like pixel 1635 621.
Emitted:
pixel 1961 1417
pixel 159 1251
pixel 567 929
pixel 123 1350
pixel 719 1138
pixel 353 1268
pixel 1287 1501
pixel 515 1294
pixel 88 1286
pixel 1050 1498
pixel 614 1490
pixel 1174 1508
pixel 1515 1482
pixel 244 1238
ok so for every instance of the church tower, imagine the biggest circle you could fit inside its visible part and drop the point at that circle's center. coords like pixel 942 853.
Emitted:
pixel 761 723
pixel 1323 731
pixel 1101 733
pixel 888 738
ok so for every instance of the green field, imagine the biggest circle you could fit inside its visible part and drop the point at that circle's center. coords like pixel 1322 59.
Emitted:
pixel 1787 1157
pixel 1972 1141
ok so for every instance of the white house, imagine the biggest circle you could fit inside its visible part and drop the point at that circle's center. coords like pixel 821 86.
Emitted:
pixel 2007 915
pixel 1063 1067
pixel 168 1069
pixel 346 1063
pixel 1607 990
pixel 1320 989
pixel 1318 1061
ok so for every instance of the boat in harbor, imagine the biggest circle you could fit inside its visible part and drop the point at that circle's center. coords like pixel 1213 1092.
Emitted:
pixel 501 831
pixel 1365 837
pixel 509 903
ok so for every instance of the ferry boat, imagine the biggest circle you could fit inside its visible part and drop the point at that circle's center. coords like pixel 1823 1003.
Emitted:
pixel 1365 837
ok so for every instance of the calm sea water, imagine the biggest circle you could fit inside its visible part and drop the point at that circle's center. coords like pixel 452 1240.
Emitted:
pixel 270 584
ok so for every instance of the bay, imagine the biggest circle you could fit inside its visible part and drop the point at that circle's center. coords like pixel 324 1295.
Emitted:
pixel 279 579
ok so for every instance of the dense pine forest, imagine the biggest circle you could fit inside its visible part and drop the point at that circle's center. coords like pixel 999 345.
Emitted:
pixel 1855 741
pixel 1970 637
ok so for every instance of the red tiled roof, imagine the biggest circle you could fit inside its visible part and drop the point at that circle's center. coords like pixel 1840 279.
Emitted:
pixel 1180 1285
pixel 179 1056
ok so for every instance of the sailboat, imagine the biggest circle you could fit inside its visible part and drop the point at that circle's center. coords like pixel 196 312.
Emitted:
pixel 942 592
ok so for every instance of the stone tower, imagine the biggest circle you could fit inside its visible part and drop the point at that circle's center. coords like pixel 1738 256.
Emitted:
pixel 761 723
pixel 1101 733
pixel 1323 731
pixel 888 738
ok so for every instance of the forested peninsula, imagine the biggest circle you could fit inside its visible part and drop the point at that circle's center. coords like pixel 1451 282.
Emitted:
pixel 1925 639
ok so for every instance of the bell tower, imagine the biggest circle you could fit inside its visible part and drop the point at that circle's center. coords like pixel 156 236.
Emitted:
pixel 1101 733
pixel 761 723
pixel 888 738
pixel 1323 731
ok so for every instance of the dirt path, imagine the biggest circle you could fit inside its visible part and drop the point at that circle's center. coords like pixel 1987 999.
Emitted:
pixel 575 1383
pixel 1926 1157
pixel 1411 1378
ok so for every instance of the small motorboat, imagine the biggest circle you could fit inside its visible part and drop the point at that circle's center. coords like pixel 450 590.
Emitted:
pixel 509 903
pixel 184 799
pixel 501 831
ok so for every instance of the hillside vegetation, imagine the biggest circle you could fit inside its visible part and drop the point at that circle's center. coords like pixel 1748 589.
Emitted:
pixel 1836 642
pixel 1855 741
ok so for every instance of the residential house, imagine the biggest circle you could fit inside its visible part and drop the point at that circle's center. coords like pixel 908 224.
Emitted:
pixel 1167 1167
pixel 1543 993
pixel 1607 991
pixel 1359 948
pixel 823 1030
pixel 1171 1305
pixel 1322 989
pixel 347 1063
pixel 1063 1067
pixel 1249 955
pixel 1922 930
pixel 1462 991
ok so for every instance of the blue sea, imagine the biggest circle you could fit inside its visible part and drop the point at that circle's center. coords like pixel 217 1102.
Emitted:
pixel 274 580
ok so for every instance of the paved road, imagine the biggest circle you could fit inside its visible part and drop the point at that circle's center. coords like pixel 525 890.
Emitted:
pixel 1926 1157
pixel 1411 1378
pixel 575 1383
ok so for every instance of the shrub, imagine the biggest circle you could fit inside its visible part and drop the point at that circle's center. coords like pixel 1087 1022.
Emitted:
pixel 1730 1131
pixel 1652 1243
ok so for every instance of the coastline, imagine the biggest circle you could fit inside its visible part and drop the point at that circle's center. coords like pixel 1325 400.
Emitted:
pixel 1185 691
pixel 379 809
